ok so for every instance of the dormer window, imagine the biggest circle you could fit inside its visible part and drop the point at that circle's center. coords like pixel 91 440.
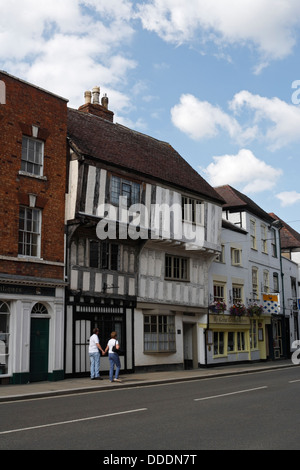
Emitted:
pixel 32 156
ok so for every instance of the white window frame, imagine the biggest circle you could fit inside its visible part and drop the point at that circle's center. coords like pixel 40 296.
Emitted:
pixel 32 158
pixel 219 291
pixel 237 293
pixel 159 333
pixel 30 232
pixel 220 258
pixel 236 257
pixel 266 281
pixel 254 278
pixel 274 243
pixel 253 234
pixel 263 232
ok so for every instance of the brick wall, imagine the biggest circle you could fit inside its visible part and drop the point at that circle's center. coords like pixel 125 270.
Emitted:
pixel 26 106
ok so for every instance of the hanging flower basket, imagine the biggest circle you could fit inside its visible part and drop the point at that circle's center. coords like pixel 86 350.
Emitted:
pixel 254 310
pixel 238 310
pixel 218 307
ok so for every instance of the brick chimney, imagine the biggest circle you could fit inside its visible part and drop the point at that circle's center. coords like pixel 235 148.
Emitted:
pixel 95 107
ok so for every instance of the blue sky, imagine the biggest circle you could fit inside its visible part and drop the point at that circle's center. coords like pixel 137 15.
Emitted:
pixel 214 78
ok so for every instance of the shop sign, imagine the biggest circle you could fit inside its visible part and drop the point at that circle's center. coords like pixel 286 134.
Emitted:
pixel 15 289
pixel 228 319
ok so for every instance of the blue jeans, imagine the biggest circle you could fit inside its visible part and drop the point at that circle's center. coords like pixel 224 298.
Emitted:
pixel 95 364
pixel 114 360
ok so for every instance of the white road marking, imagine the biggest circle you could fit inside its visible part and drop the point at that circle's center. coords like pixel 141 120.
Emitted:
pixel 230 393
pixel 72 421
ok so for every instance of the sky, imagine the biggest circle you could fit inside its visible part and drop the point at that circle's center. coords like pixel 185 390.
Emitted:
pixel 217 79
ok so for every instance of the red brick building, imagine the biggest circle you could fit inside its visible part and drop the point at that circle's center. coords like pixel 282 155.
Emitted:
pixel 33 129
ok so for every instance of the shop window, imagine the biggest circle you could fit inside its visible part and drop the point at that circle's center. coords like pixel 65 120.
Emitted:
pixel 230 342
pixel 218 343
pixel 159 333
pixel 4 337
pixel 241 346
pixel 253 334
pixel 32 156
pixel 29 232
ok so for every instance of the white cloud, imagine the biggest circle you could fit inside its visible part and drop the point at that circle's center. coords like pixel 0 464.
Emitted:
pixel 66 46
pixel 284 117
pixel 266 24
pixel 242 170
pixel 200 119
pixel 288 198
pixel 272 121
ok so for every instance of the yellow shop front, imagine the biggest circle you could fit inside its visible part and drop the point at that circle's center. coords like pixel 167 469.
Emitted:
pixel 231 339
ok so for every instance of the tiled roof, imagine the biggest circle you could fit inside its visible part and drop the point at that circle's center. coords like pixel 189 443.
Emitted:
pixel 122 147
pixel 237 201
pixel 289 238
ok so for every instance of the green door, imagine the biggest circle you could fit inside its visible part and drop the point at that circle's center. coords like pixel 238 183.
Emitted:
pixel 39 349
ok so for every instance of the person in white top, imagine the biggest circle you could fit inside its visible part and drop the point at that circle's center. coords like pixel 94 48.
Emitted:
pixel 113 357
pixel 94 353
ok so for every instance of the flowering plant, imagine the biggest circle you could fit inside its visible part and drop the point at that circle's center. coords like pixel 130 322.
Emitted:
pixel 237 310
pixel 254 309
pixel 218 306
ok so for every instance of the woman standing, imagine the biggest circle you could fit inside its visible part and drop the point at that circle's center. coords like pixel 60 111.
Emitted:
pixel 113 357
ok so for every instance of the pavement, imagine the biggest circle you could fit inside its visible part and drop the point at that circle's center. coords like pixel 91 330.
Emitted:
pixel 83 385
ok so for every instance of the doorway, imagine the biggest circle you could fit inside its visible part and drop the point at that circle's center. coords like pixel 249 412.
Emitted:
pixel 39 349
pixel 190 356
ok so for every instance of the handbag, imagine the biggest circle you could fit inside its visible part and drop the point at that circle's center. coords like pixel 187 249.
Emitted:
pixel 114 348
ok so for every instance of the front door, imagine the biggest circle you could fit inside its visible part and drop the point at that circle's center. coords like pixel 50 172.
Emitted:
pixel 190 346
pixel 39 349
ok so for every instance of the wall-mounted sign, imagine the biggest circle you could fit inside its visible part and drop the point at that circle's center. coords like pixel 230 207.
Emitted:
pixel 15 289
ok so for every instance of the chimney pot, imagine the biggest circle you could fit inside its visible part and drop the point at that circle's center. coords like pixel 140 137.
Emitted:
pixel 96 94
pixel 88 97
pixel 104 101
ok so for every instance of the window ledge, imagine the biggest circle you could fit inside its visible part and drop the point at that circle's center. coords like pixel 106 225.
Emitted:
pixel 160 352
pixel 32 175
pixel 27 259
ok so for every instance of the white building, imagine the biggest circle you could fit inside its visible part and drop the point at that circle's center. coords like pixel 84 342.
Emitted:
pixel 142 230
pixel 248 272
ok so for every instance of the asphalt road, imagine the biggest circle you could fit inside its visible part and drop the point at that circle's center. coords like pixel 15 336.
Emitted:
pixel 259 411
